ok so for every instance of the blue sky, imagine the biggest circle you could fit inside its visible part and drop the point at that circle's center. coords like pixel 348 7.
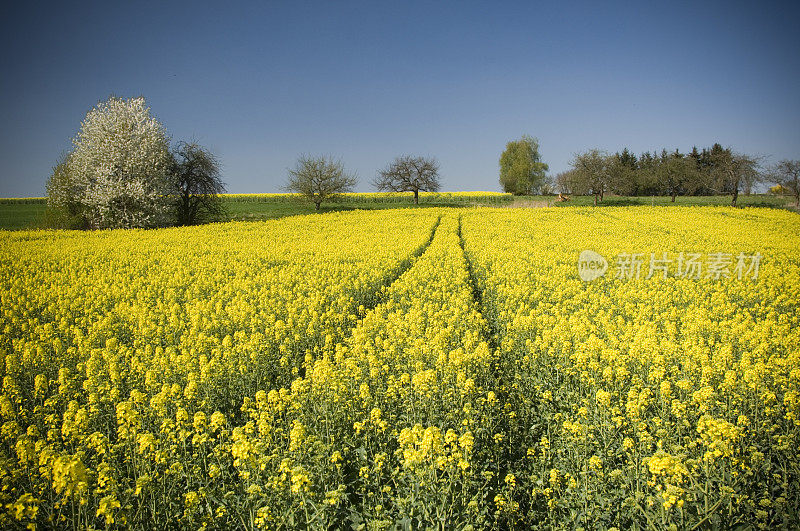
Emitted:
pixel 261 82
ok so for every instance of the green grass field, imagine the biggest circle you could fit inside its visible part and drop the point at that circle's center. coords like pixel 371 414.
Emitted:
pixel 18 216
pixel 32 214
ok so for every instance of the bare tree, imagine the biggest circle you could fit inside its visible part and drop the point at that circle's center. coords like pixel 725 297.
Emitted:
pixel 320 179
pixel 787 174
pixel 676 175
pixel 409 174
pixel 593 172
pixel 198 184
pixel 565 182
pixel 731 171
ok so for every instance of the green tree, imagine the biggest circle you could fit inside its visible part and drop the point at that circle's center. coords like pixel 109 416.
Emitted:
pixel 196 177
pixel 676 175
pixel 522 171
pixel 646 175
pixel 624 173
pixel 320 179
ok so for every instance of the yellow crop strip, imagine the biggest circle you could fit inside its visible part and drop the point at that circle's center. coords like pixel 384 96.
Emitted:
pixel 651 401
pixel 428 368
pixel 383 197
pixel 111 338
pixel 390 416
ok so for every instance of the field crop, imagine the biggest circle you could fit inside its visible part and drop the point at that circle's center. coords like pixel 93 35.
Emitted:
pixel 411 368
pixel 651 402
pixel 382 197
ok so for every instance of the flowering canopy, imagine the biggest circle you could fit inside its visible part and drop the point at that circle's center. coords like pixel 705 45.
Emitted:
pixel 119 168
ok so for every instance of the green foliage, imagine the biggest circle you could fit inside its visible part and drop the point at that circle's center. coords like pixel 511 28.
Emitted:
pixel 677 175
pixel 522 171
pixel 64 209
pixel 731 172
pixel 714 170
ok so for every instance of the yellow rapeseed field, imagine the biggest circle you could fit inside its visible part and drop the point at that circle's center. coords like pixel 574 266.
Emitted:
pixel 431 368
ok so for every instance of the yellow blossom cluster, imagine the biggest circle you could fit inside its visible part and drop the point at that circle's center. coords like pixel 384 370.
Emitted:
pixel 392 415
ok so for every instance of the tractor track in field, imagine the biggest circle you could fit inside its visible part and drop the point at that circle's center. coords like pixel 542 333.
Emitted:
pixel 379 295
pixel 491 335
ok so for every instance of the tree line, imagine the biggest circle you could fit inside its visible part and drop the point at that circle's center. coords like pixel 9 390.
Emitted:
pixel 714 170
pixel 711 171
pixel 122 172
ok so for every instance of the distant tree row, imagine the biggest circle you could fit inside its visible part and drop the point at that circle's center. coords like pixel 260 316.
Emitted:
pixel 322 179
pixel 714 170
pixel 710 171
pixel 122 173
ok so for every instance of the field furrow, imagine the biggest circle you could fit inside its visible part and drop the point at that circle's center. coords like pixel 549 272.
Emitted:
pixel 392 423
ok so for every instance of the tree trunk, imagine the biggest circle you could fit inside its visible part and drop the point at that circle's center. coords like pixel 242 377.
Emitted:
pixel 192 217
pixel 183 215
pixel 595 199
pixel 735 196
pixel 416 197
pixel 316 206
pixel 673 197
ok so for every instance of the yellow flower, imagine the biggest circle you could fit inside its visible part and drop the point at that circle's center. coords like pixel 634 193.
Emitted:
pixel 25 507
pixel 106 508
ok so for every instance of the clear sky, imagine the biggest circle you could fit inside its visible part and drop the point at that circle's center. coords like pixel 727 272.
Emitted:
pixel 261 82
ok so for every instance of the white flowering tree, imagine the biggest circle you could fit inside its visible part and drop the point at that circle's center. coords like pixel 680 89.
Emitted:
pixel 119 170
